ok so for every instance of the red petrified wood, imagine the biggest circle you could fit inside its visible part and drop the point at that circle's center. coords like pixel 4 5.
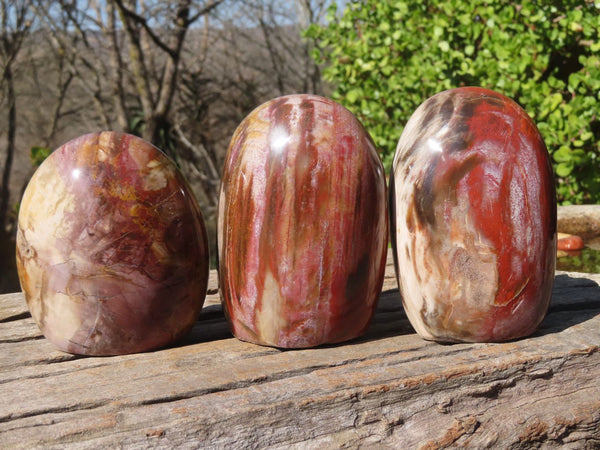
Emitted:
pixel 473 218
pixel 111 248
pixel 302 225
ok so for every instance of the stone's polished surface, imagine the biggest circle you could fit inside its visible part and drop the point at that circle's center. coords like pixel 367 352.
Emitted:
pixel 473 218
pixel 111 247
pixel 302 230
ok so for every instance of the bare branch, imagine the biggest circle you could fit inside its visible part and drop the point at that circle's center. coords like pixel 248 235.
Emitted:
pixel 204 11
pixel 130 15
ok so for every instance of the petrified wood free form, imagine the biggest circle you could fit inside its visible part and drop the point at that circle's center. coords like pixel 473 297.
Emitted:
pixel 473 212
pixel 111 247
pixel 302 225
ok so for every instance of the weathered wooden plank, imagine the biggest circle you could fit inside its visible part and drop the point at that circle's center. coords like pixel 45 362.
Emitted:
pixel 12 307
pixel 387 388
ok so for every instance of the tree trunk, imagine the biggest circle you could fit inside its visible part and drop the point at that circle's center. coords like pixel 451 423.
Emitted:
pixel 155 123
pixel 116 65
pixel 10 147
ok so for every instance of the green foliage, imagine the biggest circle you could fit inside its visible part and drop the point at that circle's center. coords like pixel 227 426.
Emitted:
pixel 588 260
pixel 38 155
pixel 386 58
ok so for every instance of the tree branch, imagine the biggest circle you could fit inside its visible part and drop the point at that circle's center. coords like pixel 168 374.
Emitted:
pixel 135 17
pixel 208 8
pixel 143 22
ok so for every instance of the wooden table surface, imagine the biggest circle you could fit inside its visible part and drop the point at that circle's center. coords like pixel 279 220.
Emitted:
pixel 388 389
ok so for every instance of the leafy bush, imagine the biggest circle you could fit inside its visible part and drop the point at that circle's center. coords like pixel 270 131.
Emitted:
pixel 38 155
pixel 386 58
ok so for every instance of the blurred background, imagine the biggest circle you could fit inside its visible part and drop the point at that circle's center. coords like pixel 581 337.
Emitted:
pixel 183 74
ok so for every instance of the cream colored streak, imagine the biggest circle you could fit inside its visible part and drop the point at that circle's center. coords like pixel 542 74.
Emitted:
pixel 270 318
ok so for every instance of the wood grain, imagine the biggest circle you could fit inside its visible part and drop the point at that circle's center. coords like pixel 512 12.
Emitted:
pixel 387 389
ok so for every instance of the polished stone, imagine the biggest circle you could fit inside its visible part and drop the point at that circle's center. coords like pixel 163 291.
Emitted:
pixel 473 218
pixel 111 247
pixel 302 226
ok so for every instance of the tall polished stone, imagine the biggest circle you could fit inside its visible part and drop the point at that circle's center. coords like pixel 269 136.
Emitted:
pixel 111 247
pixel 302 226
pixel 473 218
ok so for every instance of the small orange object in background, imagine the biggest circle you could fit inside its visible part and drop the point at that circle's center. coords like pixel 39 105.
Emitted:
pixel 569 242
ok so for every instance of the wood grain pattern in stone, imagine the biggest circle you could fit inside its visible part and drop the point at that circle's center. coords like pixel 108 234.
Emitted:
pixel 473 218
pixel 302 225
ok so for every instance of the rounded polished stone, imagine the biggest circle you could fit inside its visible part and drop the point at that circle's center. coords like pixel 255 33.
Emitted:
pixel 473 218
pixel 302 230
pixel 111 247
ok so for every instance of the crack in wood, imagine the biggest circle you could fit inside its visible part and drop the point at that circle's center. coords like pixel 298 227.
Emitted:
pixel 21 339
pixel 492 390
pixel 56 410
pixel 15 317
